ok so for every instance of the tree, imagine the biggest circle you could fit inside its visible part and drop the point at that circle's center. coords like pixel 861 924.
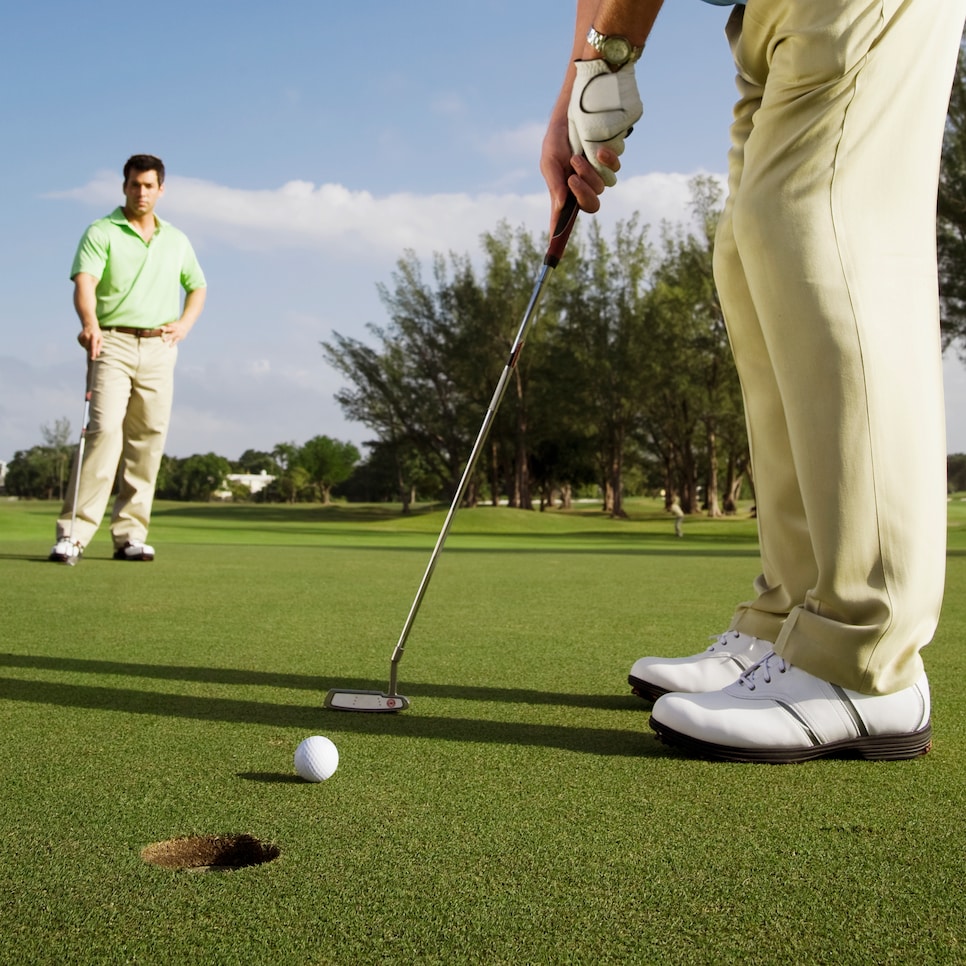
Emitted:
pixel 956 473
pixel 41 472
pixel 417 389
pixel 285 456
pixel 164 485
pixel 34 474
pixel 951 220
pixel 256 461
pixel 290 486
pixel 57 440
pixel 698 414
pixel 195 478
pixel 602 343
pixel 505 295
pixel 327 463
pixel 561 462
pixel 382 478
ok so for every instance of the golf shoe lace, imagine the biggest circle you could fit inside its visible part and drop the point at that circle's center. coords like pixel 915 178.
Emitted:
pixel 722 640
pixel 767 666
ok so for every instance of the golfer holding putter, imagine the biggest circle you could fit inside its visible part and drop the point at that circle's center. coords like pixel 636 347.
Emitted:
pixel 825 263
pixel 128 274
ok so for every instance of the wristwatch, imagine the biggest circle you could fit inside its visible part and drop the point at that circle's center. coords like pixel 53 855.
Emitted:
pixel 616 50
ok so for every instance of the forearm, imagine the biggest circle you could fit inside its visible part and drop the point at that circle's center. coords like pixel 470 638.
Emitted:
pixel 90 336
pixel 632 19
pixel 85 302
pixel 194 303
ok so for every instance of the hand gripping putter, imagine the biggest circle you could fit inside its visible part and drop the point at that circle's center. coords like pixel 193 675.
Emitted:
pixel 345 699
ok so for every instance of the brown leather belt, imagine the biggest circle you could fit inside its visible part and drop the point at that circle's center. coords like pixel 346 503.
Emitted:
pixel 140 333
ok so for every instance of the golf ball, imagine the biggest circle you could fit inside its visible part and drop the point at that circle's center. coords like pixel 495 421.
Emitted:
pixel 316 759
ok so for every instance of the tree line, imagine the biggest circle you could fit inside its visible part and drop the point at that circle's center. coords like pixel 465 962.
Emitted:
pixel 626 383
pixel 298 473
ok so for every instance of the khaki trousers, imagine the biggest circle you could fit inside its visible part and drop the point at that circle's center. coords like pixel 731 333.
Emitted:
pixel 825 263
pixel 131 395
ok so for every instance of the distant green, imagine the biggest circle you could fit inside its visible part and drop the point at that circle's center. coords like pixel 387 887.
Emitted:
pixel 519 812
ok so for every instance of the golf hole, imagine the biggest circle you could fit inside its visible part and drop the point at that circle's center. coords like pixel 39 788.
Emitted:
pixel 210 853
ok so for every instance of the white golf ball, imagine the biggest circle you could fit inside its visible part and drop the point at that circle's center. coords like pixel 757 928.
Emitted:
pixel 316 759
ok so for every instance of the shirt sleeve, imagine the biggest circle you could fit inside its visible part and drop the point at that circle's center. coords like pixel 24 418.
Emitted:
pixel 192 276
pixel 92 253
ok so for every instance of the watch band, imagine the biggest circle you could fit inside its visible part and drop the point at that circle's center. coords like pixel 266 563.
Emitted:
pixel 616 50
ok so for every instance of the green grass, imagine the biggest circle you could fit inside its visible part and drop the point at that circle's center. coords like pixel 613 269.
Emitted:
pixel 519 812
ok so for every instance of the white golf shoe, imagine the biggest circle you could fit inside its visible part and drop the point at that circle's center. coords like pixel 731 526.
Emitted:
pixel 134 550
pixel 781 714
pixel 63 551
pixel 731 654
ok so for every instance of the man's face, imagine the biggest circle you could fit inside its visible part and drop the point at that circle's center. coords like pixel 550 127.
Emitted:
pixel 142 192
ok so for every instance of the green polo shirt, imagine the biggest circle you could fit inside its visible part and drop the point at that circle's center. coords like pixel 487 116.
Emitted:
pixel 139 283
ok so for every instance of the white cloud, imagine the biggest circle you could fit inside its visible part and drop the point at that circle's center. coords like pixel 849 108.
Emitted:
pixel 331 217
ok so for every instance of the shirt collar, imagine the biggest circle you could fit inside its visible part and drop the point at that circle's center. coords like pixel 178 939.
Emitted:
pixel 119 218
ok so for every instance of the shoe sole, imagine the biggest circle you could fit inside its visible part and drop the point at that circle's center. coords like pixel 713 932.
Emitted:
pixel 141 558
pixel 878 748
pixel 645 690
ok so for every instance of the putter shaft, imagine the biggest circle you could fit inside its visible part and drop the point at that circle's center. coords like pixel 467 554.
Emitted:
pixel 352 700
pixel 555 250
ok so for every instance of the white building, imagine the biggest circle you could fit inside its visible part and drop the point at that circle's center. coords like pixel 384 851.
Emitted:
pixel 253 482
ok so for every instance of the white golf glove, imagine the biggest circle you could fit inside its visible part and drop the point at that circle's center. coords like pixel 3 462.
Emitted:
pixel 604 105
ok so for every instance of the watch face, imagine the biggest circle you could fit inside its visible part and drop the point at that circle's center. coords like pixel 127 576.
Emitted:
pixel 616 50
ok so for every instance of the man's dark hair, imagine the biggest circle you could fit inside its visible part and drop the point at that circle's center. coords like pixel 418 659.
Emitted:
pixel 144 162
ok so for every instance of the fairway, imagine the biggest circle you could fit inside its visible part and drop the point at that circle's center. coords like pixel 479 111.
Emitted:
pixel 519 812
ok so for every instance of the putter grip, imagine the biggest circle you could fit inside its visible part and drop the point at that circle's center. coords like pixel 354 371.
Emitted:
pixel 561 231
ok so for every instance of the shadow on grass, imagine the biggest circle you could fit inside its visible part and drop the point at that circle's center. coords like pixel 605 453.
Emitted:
pixel 299 513
pixel 97 556
pixel 338 513
pixel 315 522
pixel 309 718
pixel 589 543
pixel 308 682
pixel 271 777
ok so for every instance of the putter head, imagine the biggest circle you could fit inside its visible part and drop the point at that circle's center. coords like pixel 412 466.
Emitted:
pixel 345 699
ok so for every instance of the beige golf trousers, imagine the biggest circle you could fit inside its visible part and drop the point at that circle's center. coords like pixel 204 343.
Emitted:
pixel 131 395
pixel 825 263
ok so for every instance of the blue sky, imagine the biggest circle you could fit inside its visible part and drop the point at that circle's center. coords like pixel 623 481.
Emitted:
pixel 308 145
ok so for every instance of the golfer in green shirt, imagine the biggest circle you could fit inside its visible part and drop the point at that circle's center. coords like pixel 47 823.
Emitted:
pixel 128 274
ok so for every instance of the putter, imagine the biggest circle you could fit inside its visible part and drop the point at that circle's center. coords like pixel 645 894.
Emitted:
pixel 72 559
pixel 345 699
